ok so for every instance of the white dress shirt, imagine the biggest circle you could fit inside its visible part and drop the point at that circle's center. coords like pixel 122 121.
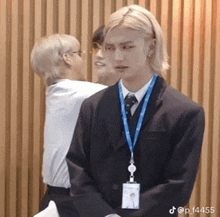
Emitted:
pixel 63 102
pixel 139 94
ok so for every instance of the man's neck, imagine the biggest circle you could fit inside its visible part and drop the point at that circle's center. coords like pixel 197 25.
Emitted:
pixel 77 76
pixel 134 85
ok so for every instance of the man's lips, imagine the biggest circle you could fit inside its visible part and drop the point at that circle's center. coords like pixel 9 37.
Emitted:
pixel 121 67
pixel 98 63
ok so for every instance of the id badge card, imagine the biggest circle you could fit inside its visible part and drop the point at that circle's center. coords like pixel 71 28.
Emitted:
pixel 130 196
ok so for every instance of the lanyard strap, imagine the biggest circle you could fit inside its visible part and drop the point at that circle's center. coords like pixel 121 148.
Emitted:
pixel 141 117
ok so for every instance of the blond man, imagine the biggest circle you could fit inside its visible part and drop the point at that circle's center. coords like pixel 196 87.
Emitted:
pixel 136 148
pixel 57 60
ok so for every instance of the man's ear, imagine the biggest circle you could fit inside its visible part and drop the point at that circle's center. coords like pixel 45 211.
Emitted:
pixel 68 59
pixel 152 48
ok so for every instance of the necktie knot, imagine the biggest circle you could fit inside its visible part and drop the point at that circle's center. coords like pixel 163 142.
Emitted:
pixel 130 100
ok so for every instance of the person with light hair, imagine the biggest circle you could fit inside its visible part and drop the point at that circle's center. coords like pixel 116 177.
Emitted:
pixel 143 21
pixel 57 60
pixel 136 146
pixel 52 58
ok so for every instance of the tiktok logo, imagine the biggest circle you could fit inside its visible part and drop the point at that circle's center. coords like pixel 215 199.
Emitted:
pixel 171 211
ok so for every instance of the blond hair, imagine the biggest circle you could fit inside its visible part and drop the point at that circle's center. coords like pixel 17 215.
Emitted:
pixel 47 54
pixel 142 20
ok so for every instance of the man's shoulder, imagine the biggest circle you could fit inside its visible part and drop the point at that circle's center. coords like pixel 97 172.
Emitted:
pixel 103 98
pixel 174 99
pixel 75 88
pixel 107 93
pixel 85 86
pixel 88 89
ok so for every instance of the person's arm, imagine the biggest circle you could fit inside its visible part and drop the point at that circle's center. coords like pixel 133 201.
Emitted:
pixel 180 171
pixel 85 196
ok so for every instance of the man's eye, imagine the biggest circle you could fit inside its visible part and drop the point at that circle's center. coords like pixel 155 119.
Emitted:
pixel 109 48
pixel 126 47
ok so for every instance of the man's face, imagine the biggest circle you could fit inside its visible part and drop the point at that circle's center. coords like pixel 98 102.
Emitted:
pixel 100 63
pixel 127 49
pixel 77 59
pixel 103 68
pixel 72 66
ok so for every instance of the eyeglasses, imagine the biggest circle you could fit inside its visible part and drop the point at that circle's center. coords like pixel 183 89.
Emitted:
pixel 97 45
pixel 80 52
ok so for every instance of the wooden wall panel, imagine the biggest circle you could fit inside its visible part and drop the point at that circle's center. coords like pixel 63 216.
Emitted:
pixel 86 34
pixel 38 19
pixel 14 109
pixel 215 177
pixel 61 16
pixel 3 105
pixel 98 20
pixel 49 17
pixel 196 81
pixel 207 103
pixel 176 44
pixel 120 4
pixel 75 18
pixel 186 47
pixel 192 35
pixel 25 111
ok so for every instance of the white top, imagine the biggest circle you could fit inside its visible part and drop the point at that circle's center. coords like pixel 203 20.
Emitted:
pixel 63 102
pixel 50 211
pixel 139 94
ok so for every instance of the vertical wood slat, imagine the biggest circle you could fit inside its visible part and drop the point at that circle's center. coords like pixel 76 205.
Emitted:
pixel 164 20
pixel 205 162
pixel 36 130
pixel 196 83
pixel 44 32
pixel 192 31
pixel 196 53
pixel 49 18
pixel 75 19
pixel 19 51
pixel 3 107
pixel 186 82
pixel 186 67
pixel 120 4
pixel 86 35
pixel 164 26
pixel 26 111
pixel 197 87
pixel 215 183
pixel 98 9
pixel 142 3
pixel 153 7
pixel 61 16
pixel 108 9
pixel 14 109
pixel 131 2
pixel 8 19
pixel 175 50
pixel 31 115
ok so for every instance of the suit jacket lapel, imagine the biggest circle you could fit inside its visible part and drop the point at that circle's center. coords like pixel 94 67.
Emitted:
pixel 155 100
pixel 114 119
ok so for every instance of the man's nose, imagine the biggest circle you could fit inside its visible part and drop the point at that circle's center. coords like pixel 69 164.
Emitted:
pixel 99 54
pixel 119 55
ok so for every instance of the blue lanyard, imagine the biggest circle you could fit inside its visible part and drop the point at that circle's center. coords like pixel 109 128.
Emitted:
pixel 141 117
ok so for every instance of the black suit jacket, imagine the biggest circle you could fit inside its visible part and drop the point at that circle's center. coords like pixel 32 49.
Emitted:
pixel 166 155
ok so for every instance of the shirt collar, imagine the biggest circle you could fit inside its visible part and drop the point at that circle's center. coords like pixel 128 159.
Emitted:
pixel 139 94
